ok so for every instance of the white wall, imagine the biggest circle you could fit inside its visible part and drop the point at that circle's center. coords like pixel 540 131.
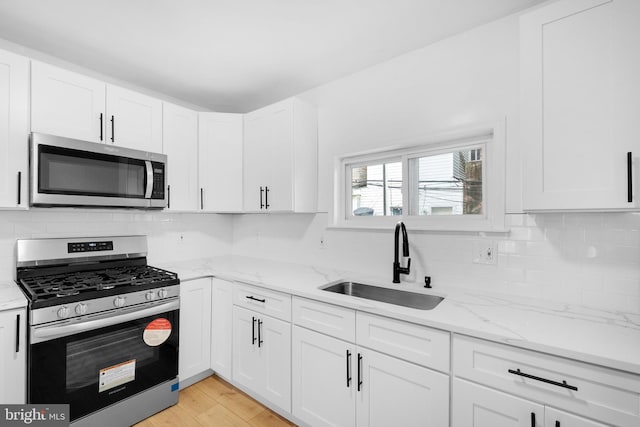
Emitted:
pixel 472 78
pixel 171 236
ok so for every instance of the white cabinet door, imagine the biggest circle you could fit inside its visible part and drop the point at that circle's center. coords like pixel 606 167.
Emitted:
pixel 580 104
pixel 395 392
pixel 280 158
pixel 133 120
pixel 275 350
pixel 262 355
pixel 555 418
pixel 180 144
pixel 67 104
pixel 324 379
pixel 221 327
pixel 195 328
pixel 220 162
pixel 478 406
pixel 247 364
pixel 14 130
pixel 13 361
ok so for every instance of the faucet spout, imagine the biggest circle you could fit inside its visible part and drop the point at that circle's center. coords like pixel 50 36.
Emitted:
pixel 397 269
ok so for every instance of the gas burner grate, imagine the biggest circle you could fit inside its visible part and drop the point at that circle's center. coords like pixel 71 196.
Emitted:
pixel 73 283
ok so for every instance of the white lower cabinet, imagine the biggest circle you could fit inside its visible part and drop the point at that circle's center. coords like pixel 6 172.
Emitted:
pixel 324 388
pixel 13 361
pixel 221 327
pixel 341 383
pixel 500 385
pixel 195 330
pixel 262 355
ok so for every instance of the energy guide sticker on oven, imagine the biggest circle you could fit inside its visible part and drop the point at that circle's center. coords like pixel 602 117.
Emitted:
pixel 116 375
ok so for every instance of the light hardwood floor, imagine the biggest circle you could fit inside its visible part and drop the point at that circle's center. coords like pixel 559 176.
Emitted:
pixel 214 402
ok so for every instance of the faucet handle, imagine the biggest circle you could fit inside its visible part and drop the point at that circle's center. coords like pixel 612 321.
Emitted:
pixel 406 270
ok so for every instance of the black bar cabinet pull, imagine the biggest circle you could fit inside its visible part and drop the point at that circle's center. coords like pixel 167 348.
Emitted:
pixel 557 423
pixel 544 380
pixel 253 330
pixel 260 341
pixel 266 197
pixel 261 204
pixel 629 178
pixel 113 129
pixel 168 196
pixel 17 333
pixel 251 297
pixel 348 368
pixel 359 371
pixel 101 128
pixel 201 198
pixel 19 187
pixel 533 419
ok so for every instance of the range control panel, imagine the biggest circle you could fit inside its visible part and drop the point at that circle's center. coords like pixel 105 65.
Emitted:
pixel 89 246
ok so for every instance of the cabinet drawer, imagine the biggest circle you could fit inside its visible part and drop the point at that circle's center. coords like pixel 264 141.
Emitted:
pixel 272 303
pixel 418 344
pixel 328 319
pixel 600 393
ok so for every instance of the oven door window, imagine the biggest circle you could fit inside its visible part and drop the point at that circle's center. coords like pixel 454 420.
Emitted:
pixel 97 368
pixel 75 172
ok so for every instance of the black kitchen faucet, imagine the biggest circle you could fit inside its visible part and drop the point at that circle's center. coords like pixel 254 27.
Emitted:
pixel 397 270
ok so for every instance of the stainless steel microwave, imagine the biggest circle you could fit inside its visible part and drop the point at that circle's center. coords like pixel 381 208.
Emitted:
pixel 70 172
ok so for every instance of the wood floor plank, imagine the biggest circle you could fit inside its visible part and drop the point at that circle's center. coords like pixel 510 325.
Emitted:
pixel 214 402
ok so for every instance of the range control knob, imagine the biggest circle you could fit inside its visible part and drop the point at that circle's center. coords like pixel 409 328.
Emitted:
pixel 63 312
pixel 162 293
pixel 81 309
pixel 118 301
pixel 150 296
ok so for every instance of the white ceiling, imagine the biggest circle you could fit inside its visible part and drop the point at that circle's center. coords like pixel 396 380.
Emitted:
pixel 237 55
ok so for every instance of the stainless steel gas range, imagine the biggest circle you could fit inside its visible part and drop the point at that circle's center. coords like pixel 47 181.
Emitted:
pixel 103 328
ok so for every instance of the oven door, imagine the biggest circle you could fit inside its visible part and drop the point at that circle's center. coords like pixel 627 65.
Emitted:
pixel 91 366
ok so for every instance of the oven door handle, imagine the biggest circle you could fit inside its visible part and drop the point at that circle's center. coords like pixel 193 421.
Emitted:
pixel 46 333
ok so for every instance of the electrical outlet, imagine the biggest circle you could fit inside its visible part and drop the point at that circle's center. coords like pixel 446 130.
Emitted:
pixel 485 252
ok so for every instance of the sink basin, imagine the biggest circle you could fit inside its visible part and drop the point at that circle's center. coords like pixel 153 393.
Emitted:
pixel 391 296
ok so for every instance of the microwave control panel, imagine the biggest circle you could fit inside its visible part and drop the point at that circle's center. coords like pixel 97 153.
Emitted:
pixel 158 180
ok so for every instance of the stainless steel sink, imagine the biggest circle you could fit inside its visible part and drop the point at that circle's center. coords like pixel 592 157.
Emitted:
pixel 391 296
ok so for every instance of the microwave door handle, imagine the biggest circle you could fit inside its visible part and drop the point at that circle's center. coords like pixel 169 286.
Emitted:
pixel 149 189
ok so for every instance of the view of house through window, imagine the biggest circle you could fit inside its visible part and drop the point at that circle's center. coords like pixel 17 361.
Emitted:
pixel 442 182
pixel 377 189
pixel 447 184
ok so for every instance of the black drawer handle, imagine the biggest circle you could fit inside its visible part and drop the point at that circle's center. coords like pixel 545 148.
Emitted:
pixel 17 333
pixel 533 419
pixel 544 380
pixel 251 297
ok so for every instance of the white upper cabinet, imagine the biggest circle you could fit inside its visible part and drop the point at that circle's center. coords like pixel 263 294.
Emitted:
pixel 280 158
pixel 180 144
pixel 14 129
pixel 133 120
pixel 220 162
pixel 67 104
pixel 580 103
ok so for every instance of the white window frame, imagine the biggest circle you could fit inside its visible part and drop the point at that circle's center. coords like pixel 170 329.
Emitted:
pixel 491 138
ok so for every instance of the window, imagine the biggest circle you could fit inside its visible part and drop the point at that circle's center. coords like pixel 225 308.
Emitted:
pixel 442 184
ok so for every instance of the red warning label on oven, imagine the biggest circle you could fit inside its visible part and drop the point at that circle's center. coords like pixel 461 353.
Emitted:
pixel 157 332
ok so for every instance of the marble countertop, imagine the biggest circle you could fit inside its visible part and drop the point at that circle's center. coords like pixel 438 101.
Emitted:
pixel 11 296
pixel 602 337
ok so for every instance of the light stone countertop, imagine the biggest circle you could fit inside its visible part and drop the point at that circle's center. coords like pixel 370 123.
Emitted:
pixel 606 338
pixel 11 296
